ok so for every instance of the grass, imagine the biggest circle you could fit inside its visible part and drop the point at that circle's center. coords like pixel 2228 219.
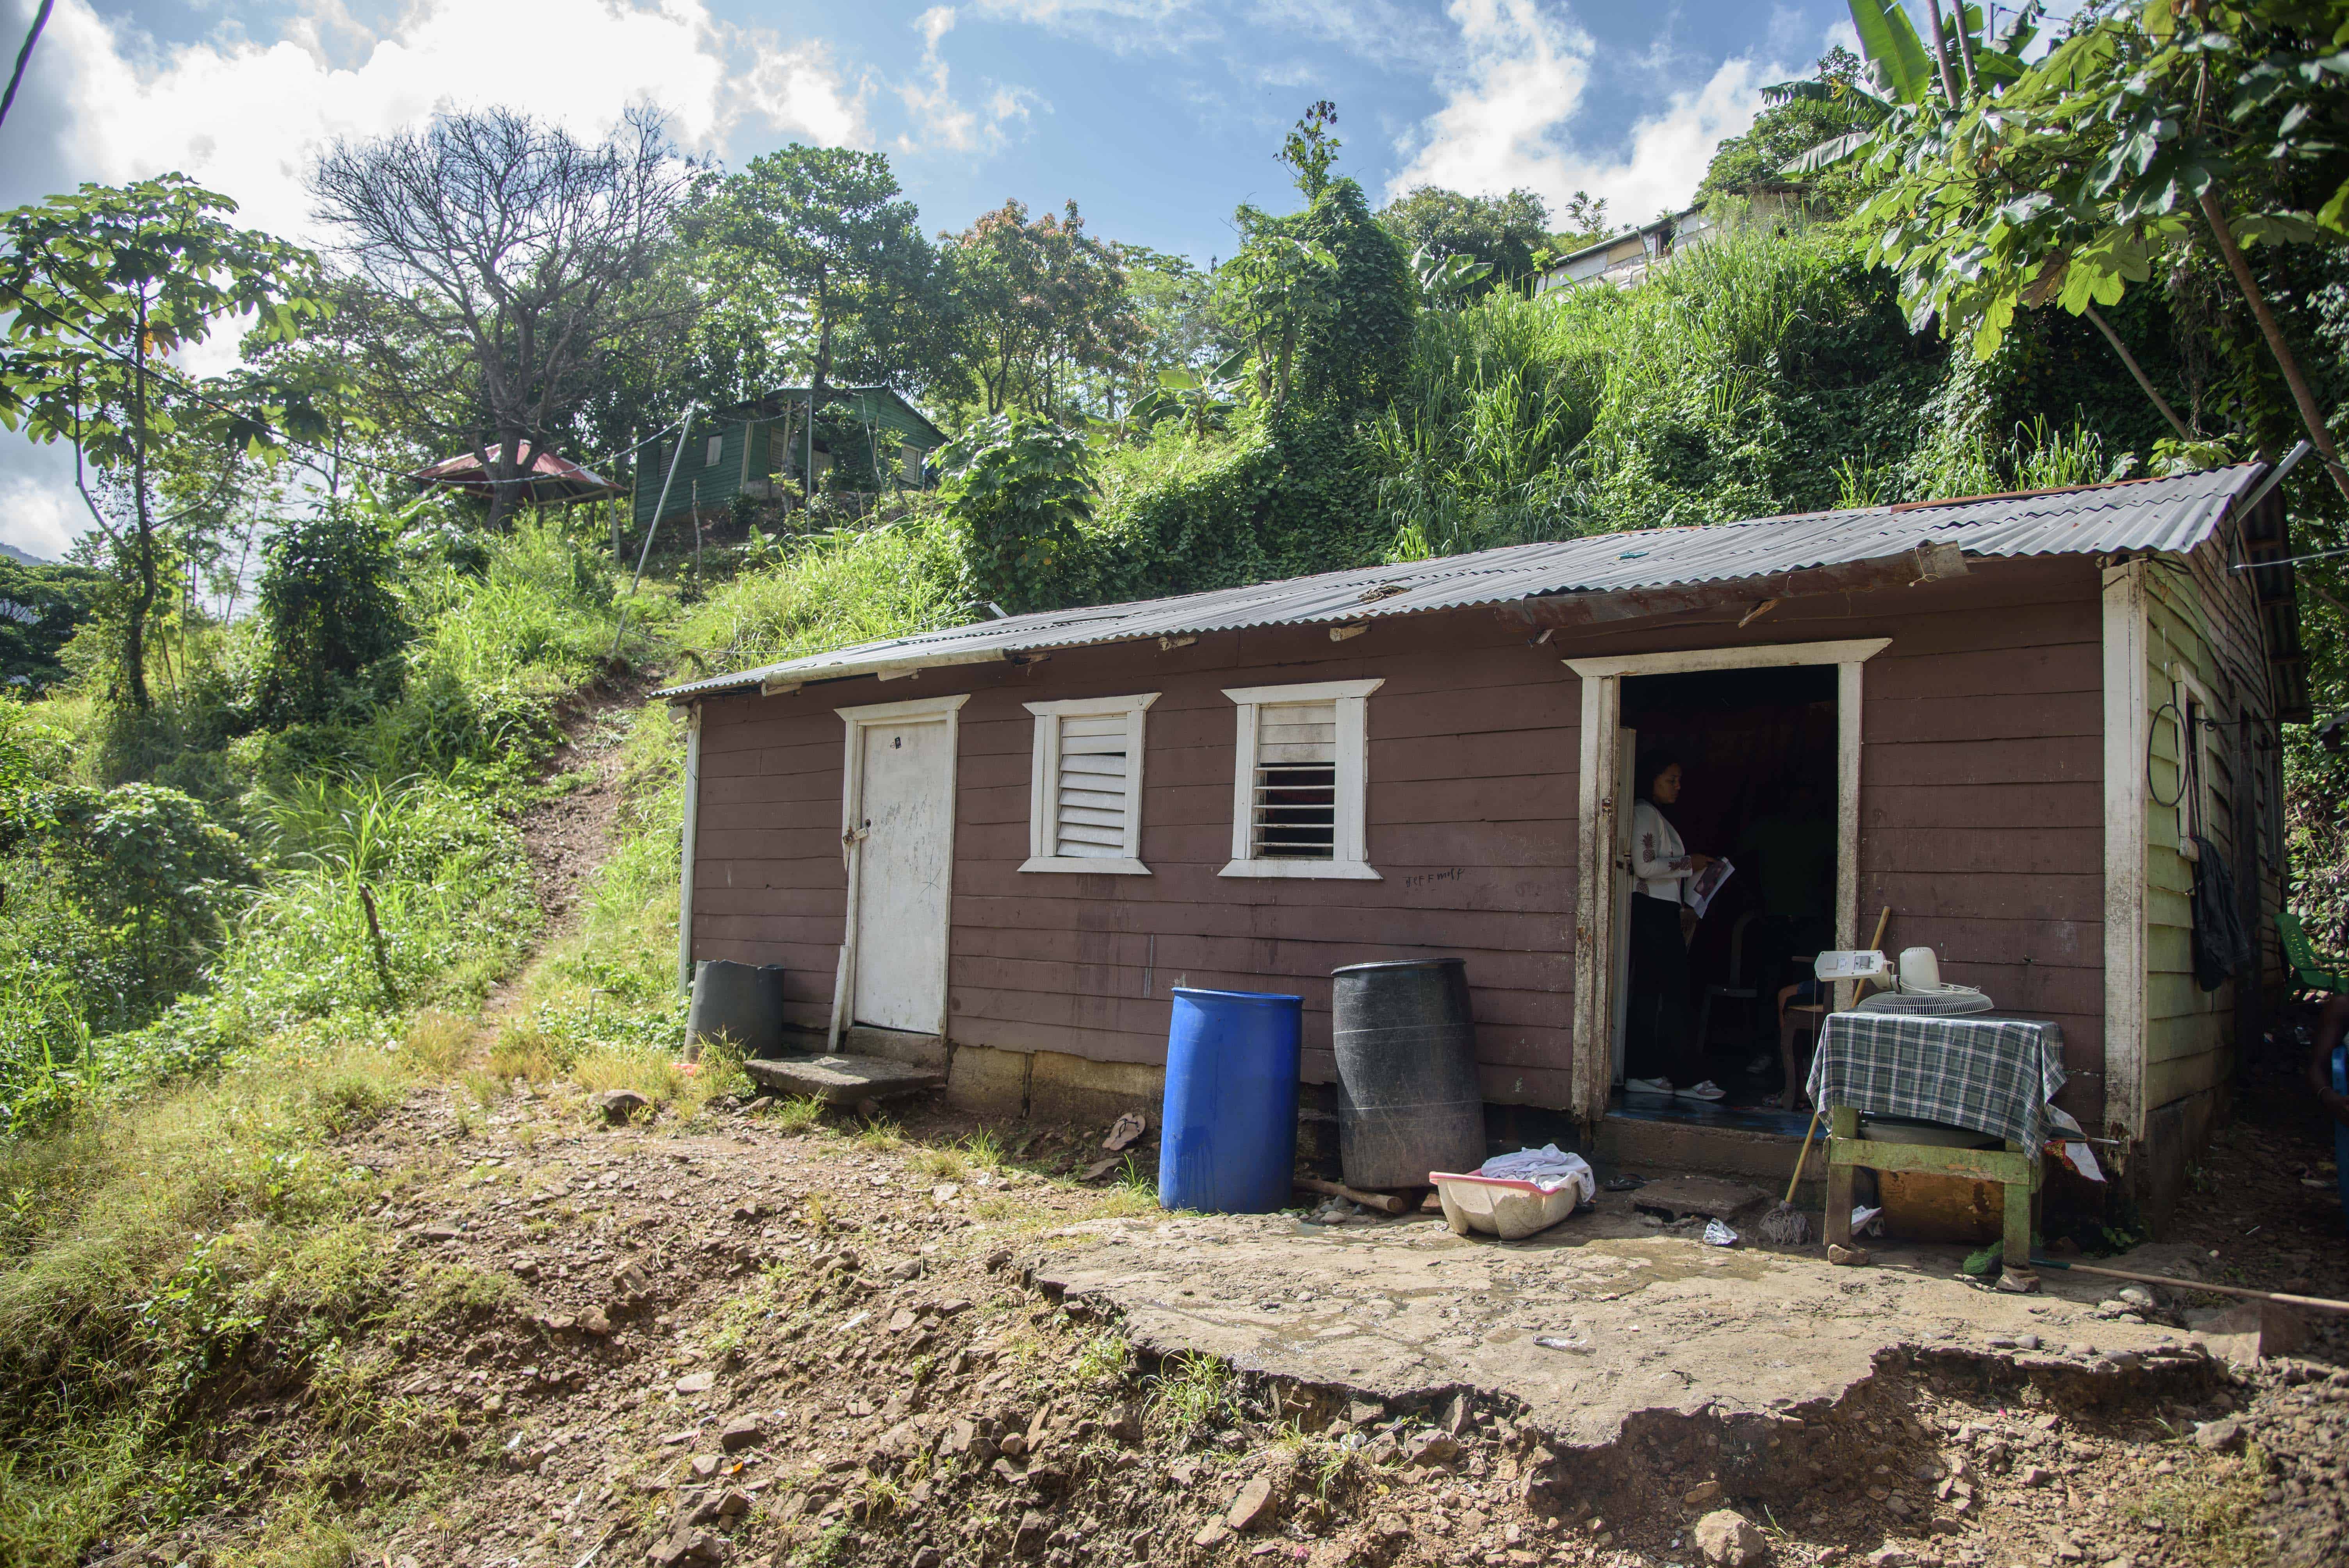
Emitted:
pixel 170 1239
pixel 1193 1390
pixel 803 1113
pixel 2210 1508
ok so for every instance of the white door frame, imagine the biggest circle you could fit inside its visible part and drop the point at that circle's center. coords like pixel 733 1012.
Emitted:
pixel 946 710
pixel 1595 824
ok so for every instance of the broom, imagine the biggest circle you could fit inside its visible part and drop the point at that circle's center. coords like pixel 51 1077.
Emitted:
pixel 1784 1225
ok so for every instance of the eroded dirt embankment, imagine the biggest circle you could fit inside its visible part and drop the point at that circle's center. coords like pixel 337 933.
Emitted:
pixel 731 1340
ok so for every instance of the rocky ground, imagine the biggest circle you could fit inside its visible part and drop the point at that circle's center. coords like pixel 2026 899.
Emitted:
pixel 754 1337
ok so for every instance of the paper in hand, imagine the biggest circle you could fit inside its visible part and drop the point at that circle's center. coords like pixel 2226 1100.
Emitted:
pixel 1706 883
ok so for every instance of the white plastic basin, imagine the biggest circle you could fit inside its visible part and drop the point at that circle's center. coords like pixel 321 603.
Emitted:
pixel 1498 1207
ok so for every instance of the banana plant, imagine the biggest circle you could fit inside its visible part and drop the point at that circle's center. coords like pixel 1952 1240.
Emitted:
pixel 1447 282
pixel 1904 70
pixel 1200 402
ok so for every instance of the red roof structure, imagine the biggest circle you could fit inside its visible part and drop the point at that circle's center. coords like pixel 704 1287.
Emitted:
pixel 546 478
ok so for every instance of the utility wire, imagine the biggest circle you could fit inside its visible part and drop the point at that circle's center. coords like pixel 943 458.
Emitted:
pixel 25 57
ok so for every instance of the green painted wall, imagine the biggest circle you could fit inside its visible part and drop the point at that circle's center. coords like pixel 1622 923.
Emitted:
pixel 707 485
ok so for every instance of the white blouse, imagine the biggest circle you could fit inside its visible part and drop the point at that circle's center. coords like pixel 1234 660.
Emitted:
pixel 1659 862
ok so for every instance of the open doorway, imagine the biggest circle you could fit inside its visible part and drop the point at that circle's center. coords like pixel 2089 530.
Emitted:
pixel 1757 753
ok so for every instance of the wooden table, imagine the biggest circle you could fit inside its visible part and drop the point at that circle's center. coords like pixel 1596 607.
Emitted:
pixel 1990 1073
pixel 2014 1167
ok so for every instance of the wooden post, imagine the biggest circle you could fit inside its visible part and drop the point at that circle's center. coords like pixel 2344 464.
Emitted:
pixel 2018 1208
pixel 1843 1126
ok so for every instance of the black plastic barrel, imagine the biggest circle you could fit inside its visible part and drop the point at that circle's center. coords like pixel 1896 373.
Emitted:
pixel 1408 1100
pixel 744 1002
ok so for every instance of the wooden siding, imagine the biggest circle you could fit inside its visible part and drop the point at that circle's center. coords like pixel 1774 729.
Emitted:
pixel 2205 618
pixel 1980 779
pixel 713 486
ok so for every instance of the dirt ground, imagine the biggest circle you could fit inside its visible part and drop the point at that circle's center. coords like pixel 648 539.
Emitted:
pixel 747 1339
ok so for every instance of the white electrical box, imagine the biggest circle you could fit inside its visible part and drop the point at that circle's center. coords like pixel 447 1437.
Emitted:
pixel 1850 965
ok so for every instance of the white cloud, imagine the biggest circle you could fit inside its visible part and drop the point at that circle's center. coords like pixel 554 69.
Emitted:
pixel 38 510
pixel 1514 102
pixel 1521 77
pixel 246 117
pixel 936 119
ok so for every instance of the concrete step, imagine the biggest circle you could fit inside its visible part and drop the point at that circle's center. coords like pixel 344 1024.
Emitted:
pixel 841 1079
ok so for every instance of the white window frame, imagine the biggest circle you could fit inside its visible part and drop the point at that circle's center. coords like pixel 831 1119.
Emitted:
pixel 1351 860
pixel 714 452
pixel 1043 791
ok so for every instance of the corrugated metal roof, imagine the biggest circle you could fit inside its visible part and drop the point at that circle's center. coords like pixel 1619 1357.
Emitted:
pixel 2164 514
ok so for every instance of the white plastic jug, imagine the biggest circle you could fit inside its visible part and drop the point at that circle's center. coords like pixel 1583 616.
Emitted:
pixel 1920 969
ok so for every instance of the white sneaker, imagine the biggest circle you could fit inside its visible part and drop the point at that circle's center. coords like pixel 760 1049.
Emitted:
pixel 1648 1086
pixel 1708 1089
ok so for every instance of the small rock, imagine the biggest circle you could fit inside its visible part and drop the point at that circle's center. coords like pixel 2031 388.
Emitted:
pixel 593 1322
pixel 1029 1540
pixel 696 1383
pixel 1435 1448
pixel 1702 1493
pixel 621 1105
pixel 929 1557
pixel 2219 1435
pixel 705 1465
pixel 1846 1257
pixel 1888 1556
pixel 908 1270
pixel 1212 1534
pixel 1730 1539
pixel 2035 1475
pixel 764 1103
pixel 1253 1506
pixel 747 1434
pixel 946 1192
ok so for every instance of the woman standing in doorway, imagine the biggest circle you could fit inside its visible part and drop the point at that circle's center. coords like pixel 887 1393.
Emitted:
pixel 1657 1031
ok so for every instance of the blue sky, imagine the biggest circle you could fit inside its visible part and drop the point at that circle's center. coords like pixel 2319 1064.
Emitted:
pixel 1156 116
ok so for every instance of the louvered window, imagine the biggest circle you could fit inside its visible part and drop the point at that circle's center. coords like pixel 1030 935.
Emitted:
pixel 1294 815
pixel 1302 766
pixel 1085 786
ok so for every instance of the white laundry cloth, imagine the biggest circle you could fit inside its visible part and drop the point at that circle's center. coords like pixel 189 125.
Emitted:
pixel 1548 1167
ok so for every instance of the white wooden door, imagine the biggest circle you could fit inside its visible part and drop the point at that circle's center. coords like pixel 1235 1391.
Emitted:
pixel 905 868
pixel 1627 781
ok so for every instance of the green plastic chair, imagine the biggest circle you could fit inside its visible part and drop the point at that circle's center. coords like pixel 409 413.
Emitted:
pixel 2308 971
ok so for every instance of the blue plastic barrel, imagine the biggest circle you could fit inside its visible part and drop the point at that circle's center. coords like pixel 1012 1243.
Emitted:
pixel 2341 1133
pixel 1227 1133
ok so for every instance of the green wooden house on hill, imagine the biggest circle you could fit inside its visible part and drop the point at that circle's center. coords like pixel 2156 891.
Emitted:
pixel 866 439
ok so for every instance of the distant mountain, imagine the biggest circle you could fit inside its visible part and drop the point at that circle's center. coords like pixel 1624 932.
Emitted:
pixel 22 557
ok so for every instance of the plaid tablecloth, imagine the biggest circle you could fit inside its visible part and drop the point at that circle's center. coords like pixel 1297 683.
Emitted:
pixel 1993 1075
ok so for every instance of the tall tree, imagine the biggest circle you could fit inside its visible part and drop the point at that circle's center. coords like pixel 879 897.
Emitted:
pixel 2150 134
pixel 1325 295
pixel 514 249
pixel 1043 301
pixel 820 241
pixel 98 288
pixel 1505 232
